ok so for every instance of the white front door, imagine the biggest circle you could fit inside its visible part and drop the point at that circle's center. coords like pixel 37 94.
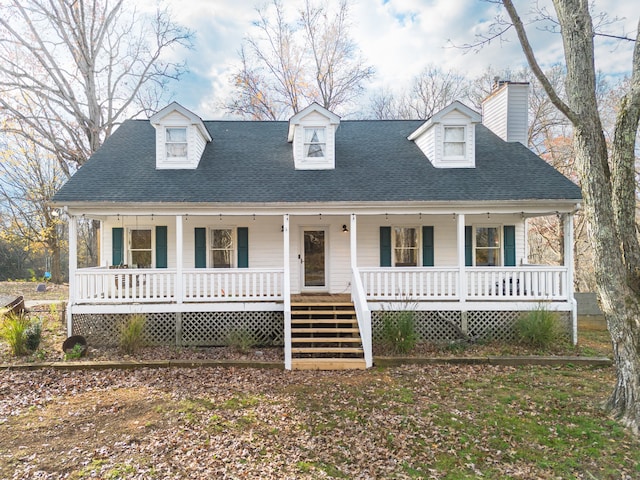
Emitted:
pixel 314 259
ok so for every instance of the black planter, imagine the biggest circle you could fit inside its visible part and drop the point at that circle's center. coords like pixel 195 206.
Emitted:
pixel 74 340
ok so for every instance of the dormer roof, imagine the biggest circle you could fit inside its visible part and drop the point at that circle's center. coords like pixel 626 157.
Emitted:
pixel 448 139
pixel 195 120
pixel 297 119
pixel 312 132
pixel 438 117
pixel 181 137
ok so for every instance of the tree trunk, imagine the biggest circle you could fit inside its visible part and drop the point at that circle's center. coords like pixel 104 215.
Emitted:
pixel 608 193
pixel 602 198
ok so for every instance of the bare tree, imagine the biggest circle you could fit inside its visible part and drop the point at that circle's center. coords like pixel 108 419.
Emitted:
pixel 288 65
pixel 430 91
pixel 72 70
pixel 608 181
pixel 28 179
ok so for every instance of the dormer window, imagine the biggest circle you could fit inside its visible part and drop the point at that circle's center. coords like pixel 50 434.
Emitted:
pixel 181 138
pixel 314 142
pixel 454 143
pixel 176 142
pixel 312 133
pixel 447 139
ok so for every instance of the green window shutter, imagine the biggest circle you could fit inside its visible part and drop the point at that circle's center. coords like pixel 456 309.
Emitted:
pixel 468 246
pixel 385 246
pixel 509 246
pixel 243 247
pixel 201 247
pixel 161 246
pixel 427 247
pixel 117 246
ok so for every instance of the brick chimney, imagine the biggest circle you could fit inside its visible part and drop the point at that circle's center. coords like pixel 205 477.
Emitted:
pixel 505 110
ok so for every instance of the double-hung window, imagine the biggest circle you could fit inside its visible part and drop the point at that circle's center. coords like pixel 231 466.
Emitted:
pixel 314 143
pixel 140 247
pixel 454 143
pixel 222 248
pixel 405 246
pixel 487 246
pixel 176 142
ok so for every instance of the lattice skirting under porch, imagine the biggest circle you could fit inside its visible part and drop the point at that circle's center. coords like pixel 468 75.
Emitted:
pixel 185 329
pixel 449 326
pixel 267 328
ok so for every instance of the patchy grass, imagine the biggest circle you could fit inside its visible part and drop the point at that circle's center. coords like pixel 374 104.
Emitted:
pixel 443 421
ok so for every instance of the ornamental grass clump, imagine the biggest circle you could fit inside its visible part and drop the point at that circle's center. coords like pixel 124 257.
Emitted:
pixel 538 328
pixel 21 334
pixel 398 331
pixel 132 333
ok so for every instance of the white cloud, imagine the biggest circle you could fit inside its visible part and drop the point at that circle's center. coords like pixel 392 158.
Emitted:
pixel 399 37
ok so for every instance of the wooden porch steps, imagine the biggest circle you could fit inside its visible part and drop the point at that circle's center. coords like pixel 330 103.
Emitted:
pixel 328 364
pixel 325 336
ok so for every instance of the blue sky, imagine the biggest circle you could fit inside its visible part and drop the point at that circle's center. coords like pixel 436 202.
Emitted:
pixel 398 37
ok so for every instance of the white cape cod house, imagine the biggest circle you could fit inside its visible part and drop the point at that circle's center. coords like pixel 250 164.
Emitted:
pixel 302 233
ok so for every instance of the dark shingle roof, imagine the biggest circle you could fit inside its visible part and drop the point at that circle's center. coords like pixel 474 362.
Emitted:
pixel 253 162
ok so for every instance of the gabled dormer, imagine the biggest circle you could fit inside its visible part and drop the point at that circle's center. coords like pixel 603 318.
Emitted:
pixel 312 132
pixel 180 137
pixel 448 138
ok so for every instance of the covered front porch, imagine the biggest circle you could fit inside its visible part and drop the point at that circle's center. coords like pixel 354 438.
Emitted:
pixel 350 259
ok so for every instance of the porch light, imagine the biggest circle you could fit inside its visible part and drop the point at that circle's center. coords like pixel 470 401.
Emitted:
pixel 345 229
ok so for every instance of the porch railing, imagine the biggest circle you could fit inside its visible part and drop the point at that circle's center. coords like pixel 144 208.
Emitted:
pixel 527 283
pixel 236 284
pixel 518 283
pixel 363 314
pixel 102 285
pixel 406 283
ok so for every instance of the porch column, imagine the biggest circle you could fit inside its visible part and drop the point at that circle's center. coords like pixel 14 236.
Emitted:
pixel 353 239
pixel 73 266
pixel 179 259
pixel 462 282
pixel 286 292
pixel 568 262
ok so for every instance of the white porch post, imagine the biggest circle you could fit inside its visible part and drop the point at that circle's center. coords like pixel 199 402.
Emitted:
pixel 73 266
pixel 353 241
pixel 286 292
pixel 568 262
pixel 462 281
pixel 179 259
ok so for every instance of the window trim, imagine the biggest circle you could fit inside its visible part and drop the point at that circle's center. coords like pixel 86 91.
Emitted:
pixel 418 246
pixel 129 251
pixel 306 144
pixel 500 248
pixel 446 157
pixel 234 246
pixel 167 142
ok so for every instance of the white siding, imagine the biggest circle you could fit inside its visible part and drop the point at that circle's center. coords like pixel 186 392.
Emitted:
pixel 196 143
pixel 314 119
pixel 517 127
pixel 444 233
pixel 266 239
pixel 505 112
pixel 431 141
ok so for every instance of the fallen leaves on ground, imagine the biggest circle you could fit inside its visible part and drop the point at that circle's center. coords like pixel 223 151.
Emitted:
pixel 444 421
